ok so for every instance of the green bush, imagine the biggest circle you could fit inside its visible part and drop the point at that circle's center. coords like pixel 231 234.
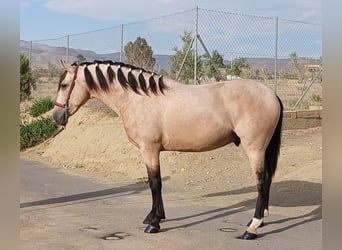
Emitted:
pixel 41 106
pixel 26 81
pixel 36 132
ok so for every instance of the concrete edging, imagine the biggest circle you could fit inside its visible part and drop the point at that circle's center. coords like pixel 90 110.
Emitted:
pixel 302 119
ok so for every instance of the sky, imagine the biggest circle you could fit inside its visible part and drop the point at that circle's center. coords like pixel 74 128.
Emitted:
pixel 51 19
pixel 42 19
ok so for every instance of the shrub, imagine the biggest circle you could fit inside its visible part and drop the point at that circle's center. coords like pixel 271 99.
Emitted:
pixel 26 80
pixel 36 132
pixel 290 103
pixel 41 106
pixel 316 98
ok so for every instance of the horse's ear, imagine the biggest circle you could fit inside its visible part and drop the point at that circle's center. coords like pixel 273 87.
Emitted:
pixel 68 67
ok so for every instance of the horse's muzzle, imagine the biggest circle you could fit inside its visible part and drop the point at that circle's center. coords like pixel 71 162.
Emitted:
pixel 61 116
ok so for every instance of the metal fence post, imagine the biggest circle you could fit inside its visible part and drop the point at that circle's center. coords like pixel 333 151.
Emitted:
pixel 121 42
pixel 184 59
pixel 276 56
pixel 231 65
pixel 196 34
pixel 30 54
pixel 68 46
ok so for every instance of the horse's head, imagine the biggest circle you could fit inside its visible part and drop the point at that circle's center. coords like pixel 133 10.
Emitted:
pixel 71 95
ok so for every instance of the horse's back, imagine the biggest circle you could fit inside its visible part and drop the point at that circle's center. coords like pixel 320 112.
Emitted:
pixel 250 96
pixel 198 118
pixel 232 99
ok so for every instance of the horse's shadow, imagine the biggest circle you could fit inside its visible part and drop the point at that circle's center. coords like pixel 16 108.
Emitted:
pixel 283 194
pixel 125 190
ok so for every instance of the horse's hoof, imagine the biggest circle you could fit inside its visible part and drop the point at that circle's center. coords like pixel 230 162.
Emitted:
pixel 250 222
pixel 248 236
pixel 152 229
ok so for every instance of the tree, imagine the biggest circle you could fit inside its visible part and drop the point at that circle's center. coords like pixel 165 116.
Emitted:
pixel 266 74
pixel 176 60
pixel 237 66
pixel 26 80
pixel 80 58
pixel 216 61
pixel 250 73
pixel 298 65
pixel 140 54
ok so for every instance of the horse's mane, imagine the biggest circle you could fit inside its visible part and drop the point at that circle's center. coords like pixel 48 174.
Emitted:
pixel 151 82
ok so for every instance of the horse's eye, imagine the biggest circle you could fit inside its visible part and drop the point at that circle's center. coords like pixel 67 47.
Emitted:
pixel 64 85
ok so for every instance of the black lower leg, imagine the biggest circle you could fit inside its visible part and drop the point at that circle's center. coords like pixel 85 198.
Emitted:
pixel 157 213
pixel 261 201
pixel 267 181
pixel 259 212
pixel 263 197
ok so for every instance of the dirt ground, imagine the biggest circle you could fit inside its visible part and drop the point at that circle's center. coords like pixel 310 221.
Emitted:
pixel 95 145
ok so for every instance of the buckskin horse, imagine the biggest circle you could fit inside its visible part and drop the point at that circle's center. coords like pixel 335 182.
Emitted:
pixel 161 114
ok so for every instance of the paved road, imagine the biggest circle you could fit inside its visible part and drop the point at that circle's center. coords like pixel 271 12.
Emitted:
pixel 61 211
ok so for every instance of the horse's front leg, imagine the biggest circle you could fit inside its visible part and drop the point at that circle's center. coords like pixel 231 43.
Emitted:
pixel 157 213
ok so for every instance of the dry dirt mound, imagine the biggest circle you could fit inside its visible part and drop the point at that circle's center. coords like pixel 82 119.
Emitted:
pixel 94 144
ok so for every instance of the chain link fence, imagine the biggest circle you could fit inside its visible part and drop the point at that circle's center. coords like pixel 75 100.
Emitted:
pixel 284 54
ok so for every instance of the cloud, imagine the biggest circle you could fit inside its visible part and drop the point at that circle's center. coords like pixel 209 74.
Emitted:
pixel 135 10
pixel 115 10
pixel 24 5
pixel 304 10
pixel 312 14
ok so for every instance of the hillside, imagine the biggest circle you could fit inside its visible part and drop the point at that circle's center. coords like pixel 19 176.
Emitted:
pixel 43 54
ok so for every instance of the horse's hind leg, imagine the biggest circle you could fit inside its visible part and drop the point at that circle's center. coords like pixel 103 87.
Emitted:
pixel 257 159
pixel 267 182
pixel 154 178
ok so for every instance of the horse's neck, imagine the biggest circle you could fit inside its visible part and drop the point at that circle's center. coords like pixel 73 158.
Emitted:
pixel 116 98
pixel 120 99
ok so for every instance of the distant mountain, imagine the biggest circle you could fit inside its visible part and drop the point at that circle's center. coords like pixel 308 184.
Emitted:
pixel 260 63
pixel 43 54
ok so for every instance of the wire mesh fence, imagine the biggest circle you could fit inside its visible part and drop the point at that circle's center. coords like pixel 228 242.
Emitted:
pixel 284 54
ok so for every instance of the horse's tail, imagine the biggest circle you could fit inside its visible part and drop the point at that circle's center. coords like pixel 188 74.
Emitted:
pixel 273 148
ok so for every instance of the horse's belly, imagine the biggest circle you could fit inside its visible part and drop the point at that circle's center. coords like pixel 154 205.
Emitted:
pixel 191 141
